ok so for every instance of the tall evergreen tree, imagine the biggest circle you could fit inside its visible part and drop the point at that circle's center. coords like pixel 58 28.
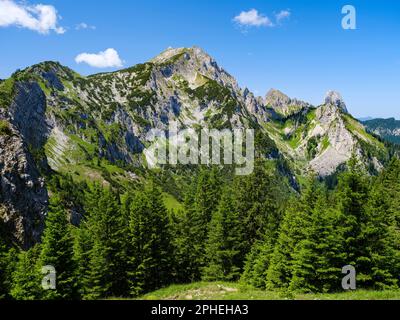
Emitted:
pixel 107 265
pixel 83 239
pixel 8 262
pixel 292 231
pixel 381 231
pixel 27 279
pixel 259 258
pixel 200 202
pixel 352 195
pixel 257 201
pixel 225 243
pixel 150 242
pixel 186 268
pixel 319 257
pixel 57 251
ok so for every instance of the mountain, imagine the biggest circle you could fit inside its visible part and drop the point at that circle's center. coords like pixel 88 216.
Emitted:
pixel 282 104
pixel 362 119
pixel 388 129
pixel 95 128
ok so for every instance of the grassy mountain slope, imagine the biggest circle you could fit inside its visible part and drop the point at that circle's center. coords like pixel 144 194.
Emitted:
pixel 235 291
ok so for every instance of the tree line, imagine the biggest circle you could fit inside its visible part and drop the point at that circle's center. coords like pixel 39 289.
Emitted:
pixel 252 229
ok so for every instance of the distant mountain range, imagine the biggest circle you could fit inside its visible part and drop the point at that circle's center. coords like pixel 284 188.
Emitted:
pixel 388 129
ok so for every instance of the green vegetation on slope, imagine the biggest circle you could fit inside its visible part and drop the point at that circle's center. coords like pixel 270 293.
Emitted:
pixel 389 129
pixel 240 291
pixel 5 129
pixel 6 92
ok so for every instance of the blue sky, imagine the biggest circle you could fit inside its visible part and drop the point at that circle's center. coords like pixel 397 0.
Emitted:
pixel 304 55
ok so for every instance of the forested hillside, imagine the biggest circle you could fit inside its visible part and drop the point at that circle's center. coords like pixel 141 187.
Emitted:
pixel 229 229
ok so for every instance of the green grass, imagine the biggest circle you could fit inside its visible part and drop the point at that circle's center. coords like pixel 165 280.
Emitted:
pixel 171 203
pixel 325 143
pixel 237 291
pixel 6 92
pixel 5 129
pixel 295 139
pixel 356 128
pixel 44 88
pixel 311 115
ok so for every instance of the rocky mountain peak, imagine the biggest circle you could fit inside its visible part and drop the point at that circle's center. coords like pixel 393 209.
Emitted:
pixel 276 98
pixel 335 98
pixel 283 104
pixel 193 65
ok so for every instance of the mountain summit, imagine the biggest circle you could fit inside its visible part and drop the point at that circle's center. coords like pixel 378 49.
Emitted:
pixel 284 105
pixel 335 98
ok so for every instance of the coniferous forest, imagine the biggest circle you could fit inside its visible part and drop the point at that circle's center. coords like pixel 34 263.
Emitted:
pixel 229 228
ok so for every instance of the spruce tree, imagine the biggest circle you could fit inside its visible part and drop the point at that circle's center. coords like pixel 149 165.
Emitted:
pixel 319 257
pixel 380 232
pixel 225 243
pixel 352 196
pixel 57 251
pixel 8 262
pixel 201 201
pixel 83 244
pixel 27 279
pixel 150 243
pixel 291 232
pixel 257 202
pixel 107 275
pixel 185 268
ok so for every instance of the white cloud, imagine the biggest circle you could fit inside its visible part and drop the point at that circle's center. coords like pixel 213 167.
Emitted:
pixel 253 19
pixel 83 26
pixel 40 18
pixel 104 59
pixel 284 14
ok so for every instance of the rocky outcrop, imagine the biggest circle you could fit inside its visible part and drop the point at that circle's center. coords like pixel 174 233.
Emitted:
pixel 339 142
pixel 284 105
pixel 23 195
pixel 335 98
pixel 28 113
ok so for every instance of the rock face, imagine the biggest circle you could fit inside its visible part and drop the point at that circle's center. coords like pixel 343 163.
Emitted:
pixel 28 113
pixel 342 143
pixel 335 98
pixel 23 195
pixel 284 105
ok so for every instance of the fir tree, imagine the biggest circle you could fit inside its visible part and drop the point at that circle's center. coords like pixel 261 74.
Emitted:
pixel 107 265
pixel 57 251
pixel 200 202
pixel 224 244
pixel 8 262
pixel 150 242
pixel 257 202
pixel 27 279
pixel 380 232
pixel 186 268
pixel 319 257
pixel 352 196
pixel 292 231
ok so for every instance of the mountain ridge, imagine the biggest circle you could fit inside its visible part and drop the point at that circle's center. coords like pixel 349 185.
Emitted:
pixel 95 127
